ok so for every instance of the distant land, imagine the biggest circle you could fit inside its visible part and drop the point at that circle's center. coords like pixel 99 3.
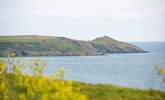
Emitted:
pixel 34 45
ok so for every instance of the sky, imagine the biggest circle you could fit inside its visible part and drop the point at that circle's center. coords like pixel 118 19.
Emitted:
pixel 124 20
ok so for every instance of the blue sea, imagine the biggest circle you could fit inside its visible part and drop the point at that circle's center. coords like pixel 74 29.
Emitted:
pixel 124 69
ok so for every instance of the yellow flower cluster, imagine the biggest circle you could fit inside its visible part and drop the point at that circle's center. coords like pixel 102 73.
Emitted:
pixel 15 85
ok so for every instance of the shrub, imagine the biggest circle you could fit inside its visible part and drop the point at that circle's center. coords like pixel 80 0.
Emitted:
pixel 16 85
pixel 161 71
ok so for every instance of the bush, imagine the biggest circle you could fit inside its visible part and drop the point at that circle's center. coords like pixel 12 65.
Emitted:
pixel 161 71
pixel 15 85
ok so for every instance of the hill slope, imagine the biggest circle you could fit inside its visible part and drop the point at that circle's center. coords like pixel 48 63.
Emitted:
pixel 32 45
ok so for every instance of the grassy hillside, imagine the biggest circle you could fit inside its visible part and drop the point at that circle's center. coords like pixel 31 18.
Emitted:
pixel 58 46
pixel 108 44
pixel 110 92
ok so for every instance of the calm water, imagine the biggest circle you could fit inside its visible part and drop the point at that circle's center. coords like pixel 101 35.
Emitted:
pixel 133 70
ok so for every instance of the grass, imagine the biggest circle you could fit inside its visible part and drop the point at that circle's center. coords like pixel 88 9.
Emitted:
pixel 110 92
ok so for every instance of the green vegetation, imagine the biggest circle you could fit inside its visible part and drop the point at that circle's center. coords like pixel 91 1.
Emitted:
pixel 110 92
pixel 59 46
pixel 161 71
pixel 15 85
pixel 108 44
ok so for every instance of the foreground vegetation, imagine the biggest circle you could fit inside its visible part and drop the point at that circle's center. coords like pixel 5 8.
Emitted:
pixel 110 92
pixel 15 85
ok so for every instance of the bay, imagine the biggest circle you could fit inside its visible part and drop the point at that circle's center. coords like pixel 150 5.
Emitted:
pixel 123 69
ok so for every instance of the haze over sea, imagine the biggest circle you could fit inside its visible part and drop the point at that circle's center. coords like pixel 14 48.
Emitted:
pixel 124 69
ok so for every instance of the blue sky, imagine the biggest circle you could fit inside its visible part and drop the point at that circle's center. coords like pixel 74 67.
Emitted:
pixel 125 20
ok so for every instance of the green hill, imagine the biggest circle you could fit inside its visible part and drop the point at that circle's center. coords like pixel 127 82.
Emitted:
pixel 31 45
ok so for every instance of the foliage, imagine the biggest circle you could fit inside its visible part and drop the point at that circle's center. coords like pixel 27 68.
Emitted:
pixel 161 71
pixel 15 85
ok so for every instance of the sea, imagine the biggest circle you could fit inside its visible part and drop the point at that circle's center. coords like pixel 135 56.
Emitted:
pixel 135 70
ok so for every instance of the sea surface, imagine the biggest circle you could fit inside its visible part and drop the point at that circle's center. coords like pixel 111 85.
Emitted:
pixel 124 69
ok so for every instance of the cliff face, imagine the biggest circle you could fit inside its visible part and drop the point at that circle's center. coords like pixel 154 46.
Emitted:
pixel 60 46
